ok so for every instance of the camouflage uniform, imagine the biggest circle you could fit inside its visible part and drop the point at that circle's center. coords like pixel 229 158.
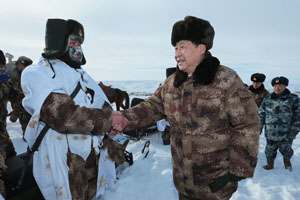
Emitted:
pixel 214 130
pixel 15 97
pixel 3 167
pixel 61 114
pixel 48 87
pixel 6 151
pixel 280 115
pixel 5 89
pixel 259 94
pixel 6 146
pixel 82 174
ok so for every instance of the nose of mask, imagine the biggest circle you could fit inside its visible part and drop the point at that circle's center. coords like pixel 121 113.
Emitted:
pixel 76 53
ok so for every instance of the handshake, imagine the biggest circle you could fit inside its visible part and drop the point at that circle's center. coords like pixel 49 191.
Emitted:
pixel 119 123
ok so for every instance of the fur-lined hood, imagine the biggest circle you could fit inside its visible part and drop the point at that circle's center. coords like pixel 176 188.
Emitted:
pixel 204 73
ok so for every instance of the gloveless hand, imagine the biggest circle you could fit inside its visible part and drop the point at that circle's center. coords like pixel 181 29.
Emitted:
pixel 119 122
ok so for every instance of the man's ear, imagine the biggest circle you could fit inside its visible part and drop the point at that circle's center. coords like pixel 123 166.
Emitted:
pixel 202 49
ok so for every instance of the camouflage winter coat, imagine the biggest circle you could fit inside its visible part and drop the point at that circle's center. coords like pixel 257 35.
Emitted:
pixel 280 115
pixel 7 150
pixel 3 167
pixel 214 129
pixel 15 97
pixel 6 90
pixel 259 94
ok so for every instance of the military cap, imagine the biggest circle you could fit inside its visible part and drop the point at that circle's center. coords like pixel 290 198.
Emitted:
pixel 24 60
pixel 257 77
pixel 280 80
pixel 196 30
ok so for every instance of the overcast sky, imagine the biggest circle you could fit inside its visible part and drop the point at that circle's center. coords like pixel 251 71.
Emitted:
pixel 131 39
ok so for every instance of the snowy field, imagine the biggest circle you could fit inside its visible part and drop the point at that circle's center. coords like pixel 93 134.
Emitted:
pixel 150 178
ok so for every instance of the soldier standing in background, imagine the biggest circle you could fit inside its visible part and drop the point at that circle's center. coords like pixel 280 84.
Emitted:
pixel 6 146
pixel 11 91
pixel 17 94
pixel 280 116
pixel 258 89
pixel 213 117
pixel 4 91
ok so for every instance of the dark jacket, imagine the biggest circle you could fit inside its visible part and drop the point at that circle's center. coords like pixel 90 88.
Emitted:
pixel 280 115
pixel 259 94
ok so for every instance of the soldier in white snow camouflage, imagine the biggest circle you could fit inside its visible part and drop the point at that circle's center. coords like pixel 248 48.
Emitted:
pixel 60 95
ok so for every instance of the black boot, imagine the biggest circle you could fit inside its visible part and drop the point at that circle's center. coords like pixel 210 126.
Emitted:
pixel 270 164
pixel 287 164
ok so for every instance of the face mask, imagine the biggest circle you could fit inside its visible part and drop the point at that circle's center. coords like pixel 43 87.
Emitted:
pixel 75 53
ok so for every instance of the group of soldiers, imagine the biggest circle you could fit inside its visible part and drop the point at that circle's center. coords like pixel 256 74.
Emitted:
pixel 279 114
pixel 279 111
pixel 10 91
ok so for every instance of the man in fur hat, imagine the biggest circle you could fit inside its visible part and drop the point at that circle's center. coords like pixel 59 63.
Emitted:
pixel 72 112
pixel 258 88
pixel 213 117
pixel 280 116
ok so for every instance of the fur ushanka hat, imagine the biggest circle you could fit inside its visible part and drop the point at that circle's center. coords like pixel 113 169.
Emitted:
pixel 257 77
pixel 57 35
pixel 196 30
pixel 280 80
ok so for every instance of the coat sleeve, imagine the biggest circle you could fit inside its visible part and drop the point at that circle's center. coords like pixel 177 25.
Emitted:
pixel 242 113
pixel 146 112
pixel 262 115
pixel 296 115
pixel 61 113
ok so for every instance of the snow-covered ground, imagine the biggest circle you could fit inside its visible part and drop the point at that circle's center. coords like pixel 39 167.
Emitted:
pixel 150 178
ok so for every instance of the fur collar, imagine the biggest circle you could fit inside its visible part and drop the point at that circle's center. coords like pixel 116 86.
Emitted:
pixel 204 73
pixel 282 96
pixel 257 90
